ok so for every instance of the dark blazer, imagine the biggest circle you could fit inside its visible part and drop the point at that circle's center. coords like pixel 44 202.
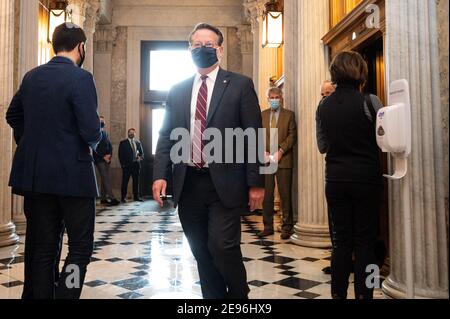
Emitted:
pixel 104 148
pixel 287 135
pixel 350 139
pixel 55 121
pixel 234 104
pixel 126 156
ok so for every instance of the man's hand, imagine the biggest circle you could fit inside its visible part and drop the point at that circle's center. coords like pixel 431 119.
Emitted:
pixel 277 156
pixel 266 158
pixel 107 159
pixel 256 198
pixel 159 188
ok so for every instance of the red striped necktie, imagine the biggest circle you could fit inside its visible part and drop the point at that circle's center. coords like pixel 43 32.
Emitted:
pixel 198 158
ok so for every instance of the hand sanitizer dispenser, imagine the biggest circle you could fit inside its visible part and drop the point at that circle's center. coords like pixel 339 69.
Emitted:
pixel 393 132
pixel 393 128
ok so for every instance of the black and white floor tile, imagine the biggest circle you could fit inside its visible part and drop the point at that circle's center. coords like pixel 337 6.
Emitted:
pixel 141 253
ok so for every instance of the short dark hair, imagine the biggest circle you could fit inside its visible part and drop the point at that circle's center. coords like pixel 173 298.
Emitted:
pixel 207 26
pixel 131 129
pixel 349 67
pixel 67 36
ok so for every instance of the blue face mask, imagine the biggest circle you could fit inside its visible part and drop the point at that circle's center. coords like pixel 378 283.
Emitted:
pixel 275 104
pixel 204 57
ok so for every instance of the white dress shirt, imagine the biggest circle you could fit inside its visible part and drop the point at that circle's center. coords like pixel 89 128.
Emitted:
pixel 210 83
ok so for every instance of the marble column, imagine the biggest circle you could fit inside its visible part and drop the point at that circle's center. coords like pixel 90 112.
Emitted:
pixel 89 27
pixel 412 54
pixel 291 78
pixel 103 45
pixel 245 36
pixel 28 59
pixel 312 68
pixel 253 11
pixel 85 15
pixel 8 234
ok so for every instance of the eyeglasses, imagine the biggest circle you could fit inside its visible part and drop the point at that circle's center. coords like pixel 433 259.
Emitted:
pixel 197 45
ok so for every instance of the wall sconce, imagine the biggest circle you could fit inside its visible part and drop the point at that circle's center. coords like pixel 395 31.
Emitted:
pixel 273 30
pixel 58 15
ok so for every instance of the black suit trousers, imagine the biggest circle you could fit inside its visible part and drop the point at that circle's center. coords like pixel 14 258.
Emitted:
pixel 353 210
pixel 133 171
pixel 47 215
pixel 214 235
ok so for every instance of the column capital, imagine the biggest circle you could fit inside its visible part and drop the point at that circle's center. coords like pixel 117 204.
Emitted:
pixel 84 13
pixel 254 10
pixel 104 38
pixel 92 16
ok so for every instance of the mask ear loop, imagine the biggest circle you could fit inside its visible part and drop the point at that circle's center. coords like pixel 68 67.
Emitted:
pixel 82 56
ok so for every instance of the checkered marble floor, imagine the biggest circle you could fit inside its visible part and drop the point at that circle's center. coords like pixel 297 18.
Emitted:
pixel 141 253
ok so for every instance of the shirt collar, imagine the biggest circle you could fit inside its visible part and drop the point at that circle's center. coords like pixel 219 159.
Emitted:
pixel 62 59
pixel 212 75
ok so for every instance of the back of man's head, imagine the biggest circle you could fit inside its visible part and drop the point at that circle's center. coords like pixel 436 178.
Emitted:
pixel 66 37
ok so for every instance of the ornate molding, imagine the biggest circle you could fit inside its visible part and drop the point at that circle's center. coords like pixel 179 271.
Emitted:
pixel 92 16
pixel 85 13
pixel 254 10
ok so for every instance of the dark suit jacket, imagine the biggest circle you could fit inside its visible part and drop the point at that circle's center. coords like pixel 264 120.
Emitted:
pixel 287 135
pixel 234 104
pixel 54 118
pixel 126 156
pixel 104 148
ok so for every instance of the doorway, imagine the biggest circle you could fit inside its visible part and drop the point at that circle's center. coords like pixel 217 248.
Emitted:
pixel 373 53
pixel 163 64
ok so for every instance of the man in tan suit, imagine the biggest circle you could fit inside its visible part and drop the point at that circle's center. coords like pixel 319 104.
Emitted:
pixel 283 120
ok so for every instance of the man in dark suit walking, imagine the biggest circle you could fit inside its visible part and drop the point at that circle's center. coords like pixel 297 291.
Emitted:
pixel 211 195
pixel 131 154
pixel 56 125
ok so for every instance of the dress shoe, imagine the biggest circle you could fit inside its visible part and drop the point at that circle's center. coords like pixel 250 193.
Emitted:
pixel 138 199
pixel 327 270
pixel 114 202
pixel 265 233
pixel 285 235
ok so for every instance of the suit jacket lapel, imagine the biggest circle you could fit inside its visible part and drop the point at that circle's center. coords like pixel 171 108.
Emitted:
pixel 222 82
pixel 187 101
pixel 281 118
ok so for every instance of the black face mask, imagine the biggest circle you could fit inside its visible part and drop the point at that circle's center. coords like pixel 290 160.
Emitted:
pixel 204 57
pixel 83 56
pixel 131 136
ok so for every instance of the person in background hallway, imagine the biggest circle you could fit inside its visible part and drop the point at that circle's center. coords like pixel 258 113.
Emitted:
pixel 327 88
pixel 211 195
pixel 102 158
pixel 283 120
pixel 346 124
pixel 56 125
pixel 131 154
